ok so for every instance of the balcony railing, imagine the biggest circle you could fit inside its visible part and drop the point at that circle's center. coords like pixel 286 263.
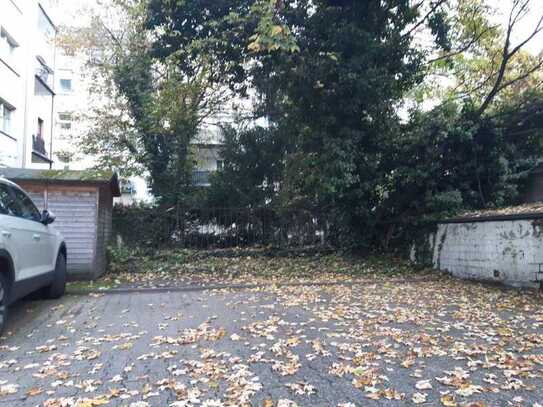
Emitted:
pixel 201 178
pixel 38 145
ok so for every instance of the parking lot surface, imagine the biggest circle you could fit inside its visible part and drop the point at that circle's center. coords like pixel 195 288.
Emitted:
pixel 431 343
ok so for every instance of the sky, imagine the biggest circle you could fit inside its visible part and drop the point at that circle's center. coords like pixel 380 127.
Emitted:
pixel 70 13
pixel 523 30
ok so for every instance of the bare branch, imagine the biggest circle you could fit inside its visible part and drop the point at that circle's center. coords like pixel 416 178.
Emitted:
pixel 461 50
pixel 111 34
pixel 518 10
pixel 426 16
pixel 525 75
pixel 536 31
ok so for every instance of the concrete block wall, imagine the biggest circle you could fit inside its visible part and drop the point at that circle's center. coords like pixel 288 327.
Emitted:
pixel 507 251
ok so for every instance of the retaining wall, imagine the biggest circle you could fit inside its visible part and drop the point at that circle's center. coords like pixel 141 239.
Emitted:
pixel 503 249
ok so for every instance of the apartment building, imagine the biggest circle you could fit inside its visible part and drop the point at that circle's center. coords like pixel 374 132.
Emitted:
pixel 27 82
pixel 72 102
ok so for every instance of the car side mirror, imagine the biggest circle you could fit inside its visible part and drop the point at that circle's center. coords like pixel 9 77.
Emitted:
pixel 47 217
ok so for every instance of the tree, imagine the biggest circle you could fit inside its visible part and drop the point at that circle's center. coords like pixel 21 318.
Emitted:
pixel 252 171
pixel 330 77
pixel 157 103
pixel 500 80
pixel 336 98
pixel 451 159
pixel 484 64
pixel 110 136
pixel 328 85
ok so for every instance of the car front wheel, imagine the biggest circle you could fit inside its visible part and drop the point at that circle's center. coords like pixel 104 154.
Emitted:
pixel 3 302
pixel 58 286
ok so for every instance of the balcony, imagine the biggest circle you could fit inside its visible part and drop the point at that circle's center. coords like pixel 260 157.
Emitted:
pixel 39 152
pixel 38 145
pixel 201 178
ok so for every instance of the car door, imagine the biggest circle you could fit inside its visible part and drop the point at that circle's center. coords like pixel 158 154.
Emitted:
pixel 29 235
pixel 6 229
pixel 15 241
pixel 47 236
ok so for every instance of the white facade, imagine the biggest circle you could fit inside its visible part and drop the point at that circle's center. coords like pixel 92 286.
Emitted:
pixel 72 102
pixel 27 69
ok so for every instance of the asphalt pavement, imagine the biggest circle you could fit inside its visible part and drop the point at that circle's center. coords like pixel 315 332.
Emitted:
pixel 380 344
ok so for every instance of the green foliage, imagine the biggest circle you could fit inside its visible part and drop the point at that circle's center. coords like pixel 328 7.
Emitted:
pixel 122 258
pixel 330 77
pixel 157 99
pixel 331 103
pixel 252 169
pixel 270 34
pixel 335 100
pixel 144 226
pixel 167 116
pixel 449 159
pixel 477 52
pixel 180 78
pixel 440 29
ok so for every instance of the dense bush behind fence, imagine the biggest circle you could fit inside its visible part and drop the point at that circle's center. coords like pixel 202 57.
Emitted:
pixel 218 227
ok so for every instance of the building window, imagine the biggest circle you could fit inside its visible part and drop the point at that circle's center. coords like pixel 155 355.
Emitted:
pixel 220 165
pixel 7 46
pixel 38 142
pixel 127 187
pixel 6 115
pixel 66 85
pixel 39 131
pixel 65 121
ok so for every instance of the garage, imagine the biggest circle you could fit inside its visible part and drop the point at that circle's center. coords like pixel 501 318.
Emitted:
pixel 82 202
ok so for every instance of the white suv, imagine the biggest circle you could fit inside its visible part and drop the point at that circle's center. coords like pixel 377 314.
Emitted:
pixel 32 252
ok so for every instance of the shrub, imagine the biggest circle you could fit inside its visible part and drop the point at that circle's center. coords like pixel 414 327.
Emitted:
pixel 142 225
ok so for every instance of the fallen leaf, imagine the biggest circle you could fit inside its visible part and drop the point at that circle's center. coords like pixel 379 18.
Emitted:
pixel 35 391
pixel 448 400
pixel 423 385
pixel 419 398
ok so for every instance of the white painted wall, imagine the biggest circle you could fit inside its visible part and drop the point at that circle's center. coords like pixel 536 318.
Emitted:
pixel 76 103
pixel 508 251
pixel 12 82
pixel 23 21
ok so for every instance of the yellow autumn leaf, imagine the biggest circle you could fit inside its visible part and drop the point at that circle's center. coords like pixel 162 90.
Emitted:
pixel 277 29
pixel 34 392
pixel 254 46
pixel 448 400
pixel 92 402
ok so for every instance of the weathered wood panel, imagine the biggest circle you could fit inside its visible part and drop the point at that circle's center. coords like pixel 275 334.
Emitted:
pixel 103 230
pixel 76 214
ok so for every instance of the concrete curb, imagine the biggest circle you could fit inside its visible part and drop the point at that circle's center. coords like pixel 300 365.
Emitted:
pixel 195 288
